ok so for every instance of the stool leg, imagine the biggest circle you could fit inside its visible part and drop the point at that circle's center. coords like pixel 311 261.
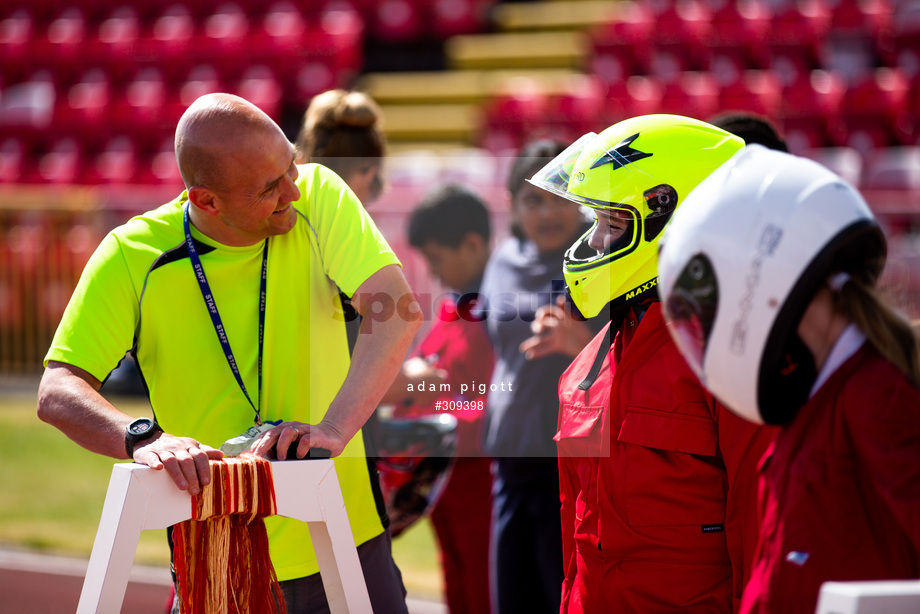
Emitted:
pixel 338 560
pixel 138 499
pixel 113 551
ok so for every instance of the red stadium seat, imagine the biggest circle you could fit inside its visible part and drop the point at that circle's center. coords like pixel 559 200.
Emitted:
pixel 146 105
pixel 862 18
pixel 757 91
pixel 329 55
pixel 170 43
pixel 260 87
pixel 61 163
pixel 859 38
pixel 452 17
pixel 28 107
pixel 694 94
pixel 340 34
pixel 906 38
pixel 14 159
pixel 202 79
pixel 59 47
pixel 514 117
pixel 623 47
pixel 313 76
pixel 738 40
pixel 115 43
pixel 873 109
pixel 579 109
pixel 394 20
pixel 637 95
pixel 810 113
pixel 280 34
pixel 68 28
pixel 224 40
pixel 163 167
pixel 679 41
pixel 116 162
pixel 16 33
pixel 83 109
pixel 797 33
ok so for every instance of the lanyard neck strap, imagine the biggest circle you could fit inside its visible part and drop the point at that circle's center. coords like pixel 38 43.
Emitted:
pixel 211 304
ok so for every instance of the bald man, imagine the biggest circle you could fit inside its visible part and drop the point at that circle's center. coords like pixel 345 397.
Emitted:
pixel 227 297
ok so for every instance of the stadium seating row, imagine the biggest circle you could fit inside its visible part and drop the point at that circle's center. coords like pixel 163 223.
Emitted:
pixel 282 36
pixel 24 23
pixel 790 38
pixel 90 93
pixel 817 110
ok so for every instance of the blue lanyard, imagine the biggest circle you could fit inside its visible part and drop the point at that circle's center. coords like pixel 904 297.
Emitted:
pixel 215 315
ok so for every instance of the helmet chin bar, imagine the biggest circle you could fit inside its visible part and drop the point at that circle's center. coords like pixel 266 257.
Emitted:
pixel 786 381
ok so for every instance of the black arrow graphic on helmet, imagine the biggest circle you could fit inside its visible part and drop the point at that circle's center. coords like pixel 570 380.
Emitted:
pixel 622 154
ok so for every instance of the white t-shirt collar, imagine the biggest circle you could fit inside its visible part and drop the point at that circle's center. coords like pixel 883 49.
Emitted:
pixel 850 340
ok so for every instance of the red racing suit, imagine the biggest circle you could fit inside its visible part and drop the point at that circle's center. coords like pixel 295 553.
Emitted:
pixel 840 489
pixel 658 481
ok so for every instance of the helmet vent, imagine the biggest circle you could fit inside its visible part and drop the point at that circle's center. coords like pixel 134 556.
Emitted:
pixel 661 201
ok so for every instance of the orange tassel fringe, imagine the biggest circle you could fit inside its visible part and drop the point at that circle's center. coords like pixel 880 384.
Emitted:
pixel 221 555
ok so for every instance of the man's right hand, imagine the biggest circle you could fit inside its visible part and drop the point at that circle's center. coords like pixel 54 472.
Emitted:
pixel 185 460
pixel 69 399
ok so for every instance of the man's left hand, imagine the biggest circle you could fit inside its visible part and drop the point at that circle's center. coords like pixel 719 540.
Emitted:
pixel 300 435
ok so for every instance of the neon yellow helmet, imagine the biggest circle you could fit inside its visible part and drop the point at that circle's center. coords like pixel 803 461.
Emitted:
pixel 641 168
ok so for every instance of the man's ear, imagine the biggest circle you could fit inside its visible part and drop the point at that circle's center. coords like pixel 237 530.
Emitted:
pixel 203 199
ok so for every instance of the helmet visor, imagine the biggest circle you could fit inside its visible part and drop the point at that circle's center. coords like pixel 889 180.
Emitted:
pixel 555 176
pixel 691 310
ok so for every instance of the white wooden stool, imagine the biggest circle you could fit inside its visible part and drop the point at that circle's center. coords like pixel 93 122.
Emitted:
pixel 140 498
pixel 869 597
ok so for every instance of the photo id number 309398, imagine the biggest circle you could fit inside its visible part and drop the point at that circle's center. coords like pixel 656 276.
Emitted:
pixel 464 405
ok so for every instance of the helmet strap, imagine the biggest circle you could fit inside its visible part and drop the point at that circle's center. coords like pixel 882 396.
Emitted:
pixel 599 359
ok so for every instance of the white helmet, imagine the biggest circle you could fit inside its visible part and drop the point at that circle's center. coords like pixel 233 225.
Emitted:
pixel 739 263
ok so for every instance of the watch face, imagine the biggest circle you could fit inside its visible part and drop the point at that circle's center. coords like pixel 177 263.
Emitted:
pixel 141 426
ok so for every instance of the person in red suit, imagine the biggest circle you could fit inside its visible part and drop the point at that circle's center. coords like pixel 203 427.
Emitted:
pixel 451 229
pixel 808 343
pixel 657 478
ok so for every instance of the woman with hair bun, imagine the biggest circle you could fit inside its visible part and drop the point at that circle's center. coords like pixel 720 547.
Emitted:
pixel 341 131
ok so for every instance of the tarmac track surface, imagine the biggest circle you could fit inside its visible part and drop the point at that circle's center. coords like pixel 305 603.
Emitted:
pixel 39 584
pixel 32 583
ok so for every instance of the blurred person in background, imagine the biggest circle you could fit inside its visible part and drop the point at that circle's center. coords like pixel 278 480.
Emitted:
pixel 523 276
pixel 341 131
pixel 809 344
pixel 451 228
pixel 658 480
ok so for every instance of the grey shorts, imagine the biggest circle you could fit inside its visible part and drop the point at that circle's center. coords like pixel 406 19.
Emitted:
pixel 382 576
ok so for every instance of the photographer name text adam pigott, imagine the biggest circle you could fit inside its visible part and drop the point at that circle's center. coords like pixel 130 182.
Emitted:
pixel 471 388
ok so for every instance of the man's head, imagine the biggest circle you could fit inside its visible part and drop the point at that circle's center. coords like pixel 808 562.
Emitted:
pixel 451 228
pixel 238 168
pixel 634 175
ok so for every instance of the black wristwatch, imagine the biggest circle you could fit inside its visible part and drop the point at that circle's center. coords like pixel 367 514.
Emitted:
pixel 138 431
